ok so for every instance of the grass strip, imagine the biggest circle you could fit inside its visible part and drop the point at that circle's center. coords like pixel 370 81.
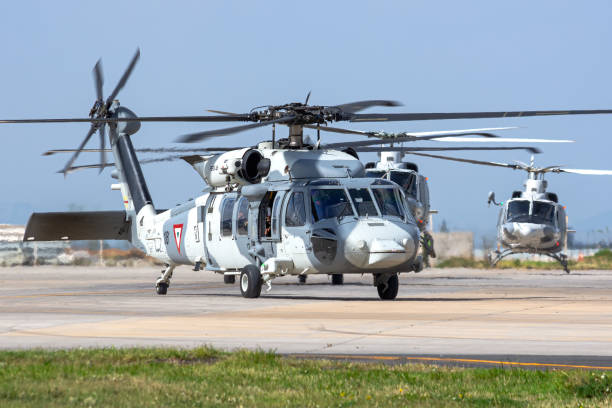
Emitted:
pixel 205 377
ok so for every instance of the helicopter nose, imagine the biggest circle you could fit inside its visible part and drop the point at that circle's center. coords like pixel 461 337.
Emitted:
pixel 386 249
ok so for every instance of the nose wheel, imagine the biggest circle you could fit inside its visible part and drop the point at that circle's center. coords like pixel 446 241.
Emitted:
pixel 387 285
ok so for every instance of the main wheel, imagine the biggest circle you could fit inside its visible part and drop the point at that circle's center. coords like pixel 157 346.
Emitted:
pixel 250 282
pixel 337 279
pixel 161 288
pixel 389 291
pixel 229 279
pixel 302 278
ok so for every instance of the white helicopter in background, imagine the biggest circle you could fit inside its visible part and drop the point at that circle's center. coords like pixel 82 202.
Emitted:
pixel 531 221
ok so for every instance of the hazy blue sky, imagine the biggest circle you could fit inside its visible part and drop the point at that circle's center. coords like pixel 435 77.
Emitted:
pixel 432 56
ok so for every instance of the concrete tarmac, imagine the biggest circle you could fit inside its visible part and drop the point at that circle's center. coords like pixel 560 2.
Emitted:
pixel 438 312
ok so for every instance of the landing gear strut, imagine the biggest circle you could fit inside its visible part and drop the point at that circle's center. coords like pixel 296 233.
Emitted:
pixel 162 284
pixel 495 257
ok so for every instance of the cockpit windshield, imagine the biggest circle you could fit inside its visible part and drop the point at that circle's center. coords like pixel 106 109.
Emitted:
pixel 363 202
pixel 543 211
pixel 518 211
pixel 329 203
pixel 387 201
pixel 407 181
pixel 525 211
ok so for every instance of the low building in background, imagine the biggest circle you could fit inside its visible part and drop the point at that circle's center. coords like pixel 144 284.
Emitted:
pixel 457 244
pixel 13 251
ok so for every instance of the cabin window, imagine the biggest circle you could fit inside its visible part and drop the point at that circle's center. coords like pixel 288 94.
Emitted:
pixel 387 202
pixel 227 207
pixel 242 217
pixel 329 203
pixel 295 214
pixel 265 214
pixel 363 202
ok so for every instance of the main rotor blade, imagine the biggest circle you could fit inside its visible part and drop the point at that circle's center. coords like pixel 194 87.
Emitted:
pixel 585 171
pixel 92 130
pixel 390 117
pixel 437 149
pixel 99 80
pixel 228 118
pixel 457 159
pixel 361 105
pixel 149 150
pixel 124 77
pixel 499 140
pixel 103 166
pixel 196 137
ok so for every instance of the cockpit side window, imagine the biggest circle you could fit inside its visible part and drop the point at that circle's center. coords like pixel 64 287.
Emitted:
pixel 329 203
pixel 276 210
pixel 407 181
pixel 295 214
pixel 242 217
pixel 388 204
pixel 363 202
pixel 375 173
pixel 226 217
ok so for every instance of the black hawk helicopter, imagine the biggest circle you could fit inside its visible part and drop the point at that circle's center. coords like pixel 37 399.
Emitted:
pixel 280 208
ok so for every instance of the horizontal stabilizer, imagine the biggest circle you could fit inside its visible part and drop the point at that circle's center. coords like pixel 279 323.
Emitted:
pixel 81 225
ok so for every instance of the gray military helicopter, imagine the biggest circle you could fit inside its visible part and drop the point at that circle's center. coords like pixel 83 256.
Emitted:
pixel 279 208
pixel 531 221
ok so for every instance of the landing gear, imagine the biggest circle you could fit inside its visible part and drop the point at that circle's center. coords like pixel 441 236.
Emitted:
pixel 229 279
pixel 162 284
pixel 161 288
pixel 302 279
pixel 495 257
pixel 250 282
pixel 387 285
pixel 337 279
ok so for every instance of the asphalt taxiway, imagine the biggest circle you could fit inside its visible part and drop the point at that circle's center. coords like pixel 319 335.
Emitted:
pixel 488 316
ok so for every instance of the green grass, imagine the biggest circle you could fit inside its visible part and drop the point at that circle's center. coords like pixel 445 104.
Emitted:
pixel 207 377
pixel 601 260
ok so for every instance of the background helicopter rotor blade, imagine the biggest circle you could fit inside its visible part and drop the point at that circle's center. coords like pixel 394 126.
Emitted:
pixel 407 138
pixel 198 136
pixel 458 159
pixel 124 78
pixel 585 171
pixel 437 149
pixel 391 117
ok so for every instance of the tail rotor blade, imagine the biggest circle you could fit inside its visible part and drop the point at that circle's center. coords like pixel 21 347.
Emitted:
pixel 102 147
pixel 124 78
pixel 68 165
pixel 99 80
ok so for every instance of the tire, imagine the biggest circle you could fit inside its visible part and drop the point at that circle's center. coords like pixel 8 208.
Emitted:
pixel 337 279
pixel 161 288
pixel 389 291
pixel 229 279
pixel 302 278
pixel 250 282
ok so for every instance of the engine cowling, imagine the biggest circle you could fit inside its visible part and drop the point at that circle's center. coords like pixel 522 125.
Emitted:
pixel 244 166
